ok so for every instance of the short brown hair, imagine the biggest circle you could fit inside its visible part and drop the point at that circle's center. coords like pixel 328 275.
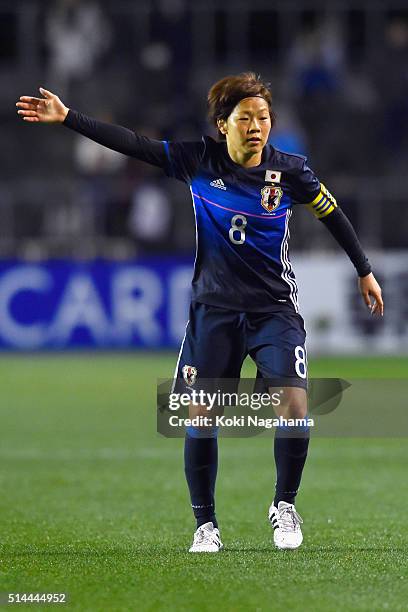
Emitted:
pixel 229 91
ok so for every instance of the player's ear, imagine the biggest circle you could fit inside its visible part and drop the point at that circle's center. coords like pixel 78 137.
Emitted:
pixel 222 126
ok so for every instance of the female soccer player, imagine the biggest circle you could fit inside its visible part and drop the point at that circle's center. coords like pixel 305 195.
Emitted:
pixel 244 292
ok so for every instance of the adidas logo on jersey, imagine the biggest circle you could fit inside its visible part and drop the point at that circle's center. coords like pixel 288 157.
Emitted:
pixel 219 183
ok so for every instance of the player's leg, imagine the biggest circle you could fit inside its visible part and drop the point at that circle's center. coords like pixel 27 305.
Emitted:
pixel 213 348
pixel 277 344
pixel 290 445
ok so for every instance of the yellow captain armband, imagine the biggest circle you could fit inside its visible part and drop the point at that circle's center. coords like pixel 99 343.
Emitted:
pixel 323 204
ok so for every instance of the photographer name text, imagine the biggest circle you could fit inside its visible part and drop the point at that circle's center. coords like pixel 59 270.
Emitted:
pixel 239 421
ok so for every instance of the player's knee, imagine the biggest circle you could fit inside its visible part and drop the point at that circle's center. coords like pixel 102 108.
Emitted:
pixel 293 403
pixel 203 421
pixel 296 411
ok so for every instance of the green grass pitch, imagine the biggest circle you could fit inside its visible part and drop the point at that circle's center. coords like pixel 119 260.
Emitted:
pixel 93 501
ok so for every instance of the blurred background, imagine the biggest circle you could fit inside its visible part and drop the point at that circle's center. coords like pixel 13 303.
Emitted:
pixel 96 254
pixel 96 249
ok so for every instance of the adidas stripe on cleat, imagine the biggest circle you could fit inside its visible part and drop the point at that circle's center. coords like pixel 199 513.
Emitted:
pixel 285 522
pixel 206 539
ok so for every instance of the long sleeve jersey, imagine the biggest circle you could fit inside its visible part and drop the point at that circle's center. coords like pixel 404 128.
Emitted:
pixel 242 214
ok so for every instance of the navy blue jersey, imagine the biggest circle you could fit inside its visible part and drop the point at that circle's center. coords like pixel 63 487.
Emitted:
pixel 242 223
pixel 242 214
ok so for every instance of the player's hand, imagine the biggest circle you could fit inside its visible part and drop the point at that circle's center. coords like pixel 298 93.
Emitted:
pixel 48 109
pixel 369 288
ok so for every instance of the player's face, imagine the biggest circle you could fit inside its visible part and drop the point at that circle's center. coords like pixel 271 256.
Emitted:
pixel 247 128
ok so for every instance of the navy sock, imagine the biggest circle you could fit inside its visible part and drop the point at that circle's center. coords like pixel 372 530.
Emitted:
pixel 290 456
pixel 200 464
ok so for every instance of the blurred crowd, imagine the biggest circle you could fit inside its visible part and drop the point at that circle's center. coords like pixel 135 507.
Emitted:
pixel 340 86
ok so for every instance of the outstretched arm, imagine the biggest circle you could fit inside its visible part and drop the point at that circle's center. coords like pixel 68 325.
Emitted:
pixel 50 109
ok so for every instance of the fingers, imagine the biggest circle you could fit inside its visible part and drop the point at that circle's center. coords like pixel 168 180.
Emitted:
pixel 30 99
pixel 378 305
pixel 27 105
pixel 30 106
pixel 377 309
pixel 369 288
pixel 46 93
pixel 27 113
pixel 366 298
pixel 35 101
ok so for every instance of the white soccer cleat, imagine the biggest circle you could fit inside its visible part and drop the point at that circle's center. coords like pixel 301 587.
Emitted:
pixel 286 525
pixel 206 539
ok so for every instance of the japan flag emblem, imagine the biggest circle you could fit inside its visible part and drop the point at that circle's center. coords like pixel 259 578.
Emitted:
pixel 272 176
pixel 271 197
pixel 189 374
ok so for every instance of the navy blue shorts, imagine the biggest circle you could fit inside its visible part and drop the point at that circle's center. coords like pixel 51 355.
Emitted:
pixel 218 340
